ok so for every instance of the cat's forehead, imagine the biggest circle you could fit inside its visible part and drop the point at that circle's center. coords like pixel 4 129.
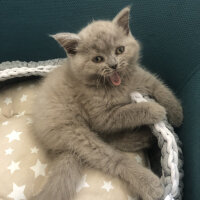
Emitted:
pixel 100 35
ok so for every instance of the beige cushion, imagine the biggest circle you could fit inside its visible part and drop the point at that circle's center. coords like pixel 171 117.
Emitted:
pixel 24 166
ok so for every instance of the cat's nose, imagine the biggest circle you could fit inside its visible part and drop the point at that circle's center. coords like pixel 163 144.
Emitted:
pixel 113 66
pixel 112 62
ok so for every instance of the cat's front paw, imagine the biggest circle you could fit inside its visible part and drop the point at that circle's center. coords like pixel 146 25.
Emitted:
pixel 152 188
pixel 156 113
pixel 175 115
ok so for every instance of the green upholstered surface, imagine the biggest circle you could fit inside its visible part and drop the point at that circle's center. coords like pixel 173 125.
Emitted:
pixel 190 135
pixel 169 31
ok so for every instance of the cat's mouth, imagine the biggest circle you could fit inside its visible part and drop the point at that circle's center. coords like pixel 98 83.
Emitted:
pixel 115 79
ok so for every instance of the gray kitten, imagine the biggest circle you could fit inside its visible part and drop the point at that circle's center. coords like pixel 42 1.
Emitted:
pixel 85 115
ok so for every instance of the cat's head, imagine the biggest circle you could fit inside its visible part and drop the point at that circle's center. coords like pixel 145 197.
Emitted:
pixel 104 52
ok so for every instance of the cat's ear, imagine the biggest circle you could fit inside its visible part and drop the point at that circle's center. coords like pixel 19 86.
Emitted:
pixel 69 41
pixel 122 19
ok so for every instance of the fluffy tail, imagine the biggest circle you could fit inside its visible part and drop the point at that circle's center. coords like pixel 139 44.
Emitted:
pixel 63 180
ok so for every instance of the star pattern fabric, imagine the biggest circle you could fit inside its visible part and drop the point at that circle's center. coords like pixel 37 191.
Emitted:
pixel 8 100
pixel 13 167
pixel 14 135
pixel 138 159
pixel 5 123
pixel 19 88
pixel 82 184
pixel 20 114
pixel 107 186
pixel 25 166
pixel 39 169
pixel 23 98
pixel 34 150
pixel 17 193
pixel 9 151
pixel 29 120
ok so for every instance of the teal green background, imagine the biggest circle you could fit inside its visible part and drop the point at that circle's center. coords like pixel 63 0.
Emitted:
pixel 169 31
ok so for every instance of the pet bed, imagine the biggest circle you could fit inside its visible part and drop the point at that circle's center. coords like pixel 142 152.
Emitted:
pixel 25 167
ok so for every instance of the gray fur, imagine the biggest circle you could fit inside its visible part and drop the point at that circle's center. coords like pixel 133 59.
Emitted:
pixel 81 113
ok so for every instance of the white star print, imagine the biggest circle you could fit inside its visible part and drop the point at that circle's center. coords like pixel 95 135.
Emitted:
pixel 13 167
pixel 19 88
pixel 34 150
pixel 82 184
pixel 20 114
pixel 17 193
pixel 8 100
pixel 138 159
pixel 14 135
pixel 107 186
pixel 132 198
pixel 32 86
pixel 23 98
pixel 9 151
pixel 39 169
pixel 29 120
pixel 5 123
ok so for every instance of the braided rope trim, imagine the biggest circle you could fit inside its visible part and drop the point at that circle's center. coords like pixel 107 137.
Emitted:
pixel 25 71
pixel 171 163
pixel 31 64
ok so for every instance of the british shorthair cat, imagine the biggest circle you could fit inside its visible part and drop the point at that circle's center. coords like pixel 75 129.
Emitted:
pixel 85 115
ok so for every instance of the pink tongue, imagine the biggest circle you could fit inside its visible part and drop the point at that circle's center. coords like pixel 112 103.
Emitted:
pixel 115 79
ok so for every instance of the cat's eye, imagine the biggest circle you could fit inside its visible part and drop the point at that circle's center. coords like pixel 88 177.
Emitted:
pixel 98 59
pixel 119 50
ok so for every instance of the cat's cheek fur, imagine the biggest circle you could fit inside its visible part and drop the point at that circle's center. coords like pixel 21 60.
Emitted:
pixel 132 51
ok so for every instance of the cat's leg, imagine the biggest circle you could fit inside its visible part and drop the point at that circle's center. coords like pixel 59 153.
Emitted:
pixel 99 155
pixel 127 116
pixel 167 99
pixel 132 141
pixel 154 87
pixel 63 180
